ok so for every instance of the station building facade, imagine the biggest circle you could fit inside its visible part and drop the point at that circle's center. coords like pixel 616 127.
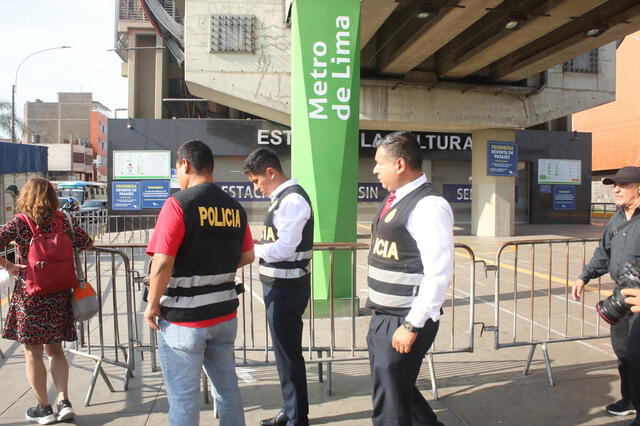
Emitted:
pixel 447 162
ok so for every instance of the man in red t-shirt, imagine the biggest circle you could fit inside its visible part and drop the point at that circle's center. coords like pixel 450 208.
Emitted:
pixel 201 237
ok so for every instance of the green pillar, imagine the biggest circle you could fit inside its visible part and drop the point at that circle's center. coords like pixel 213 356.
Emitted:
pixel 325 78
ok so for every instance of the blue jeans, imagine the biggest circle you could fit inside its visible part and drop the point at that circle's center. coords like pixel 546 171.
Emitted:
pixel 183 351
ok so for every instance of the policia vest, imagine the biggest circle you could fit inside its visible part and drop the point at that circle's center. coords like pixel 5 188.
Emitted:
pixel 395 269
pixel 294 270
pixel 202 284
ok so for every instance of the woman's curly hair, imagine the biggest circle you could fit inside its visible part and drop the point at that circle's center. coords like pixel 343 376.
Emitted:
pixel 37 198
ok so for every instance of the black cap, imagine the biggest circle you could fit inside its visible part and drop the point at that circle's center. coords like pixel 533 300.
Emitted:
pixel 624 175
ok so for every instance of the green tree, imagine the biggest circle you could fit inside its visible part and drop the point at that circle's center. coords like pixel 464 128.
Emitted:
pixel 5 120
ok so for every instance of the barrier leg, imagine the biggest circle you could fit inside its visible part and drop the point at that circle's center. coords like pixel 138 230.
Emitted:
pixel 97 371
pixel 320 372
pixel 152 349
pixel 529 358
pixel 432 375
pixel 329 379
pixel 2 354
pixel 205 387
pixel 81 332
pixel 547 362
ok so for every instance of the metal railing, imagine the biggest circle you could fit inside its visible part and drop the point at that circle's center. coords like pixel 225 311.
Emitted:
pixel 602 210
pixel 131 10
pixel 533 291
pixel 111 331
pixel 331 336
pixel 95 223
pixel 124 231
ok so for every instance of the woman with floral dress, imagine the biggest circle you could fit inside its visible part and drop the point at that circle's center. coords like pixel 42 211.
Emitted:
pixel 40 323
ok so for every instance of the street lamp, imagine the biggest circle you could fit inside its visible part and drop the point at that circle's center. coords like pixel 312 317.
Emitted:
pixel 15 84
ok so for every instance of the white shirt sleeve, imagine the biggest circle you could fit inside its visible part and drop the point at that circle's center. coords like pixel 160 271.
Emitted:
pixel 431 225
pixel 289 220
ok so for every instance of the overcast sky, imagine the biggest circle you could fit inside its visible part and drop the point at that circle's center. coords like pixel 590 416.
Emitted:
pixel 86 25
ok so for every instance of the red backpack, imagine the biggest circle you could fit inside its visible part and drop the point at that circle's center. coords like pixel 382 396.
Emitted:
pixel 50 267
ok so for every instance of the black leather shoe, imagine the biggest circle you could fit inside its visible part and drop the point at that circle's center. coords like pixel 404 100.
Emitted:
pixel 280 419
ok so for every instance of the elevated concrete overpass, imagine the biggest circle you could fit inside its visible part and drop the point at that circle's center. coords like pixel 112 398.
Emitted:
pixel 482 66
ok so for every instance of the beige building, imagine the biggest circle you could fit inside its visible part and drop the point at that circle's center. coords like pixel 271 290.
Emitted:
pixel 64 127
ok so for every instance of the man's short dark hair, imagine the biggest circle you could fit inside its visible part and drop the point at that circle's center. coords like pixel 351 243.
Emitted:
pixel 402 145
pixel 198 154
pixel 259 160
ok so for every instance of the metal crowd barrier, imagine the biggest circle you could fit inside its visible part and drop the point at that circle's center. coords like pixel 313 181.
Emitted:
pixel 95 223
pixel 5 290
pixel 535 296
pixel 127 230
pixel 108 338
pixel 328 337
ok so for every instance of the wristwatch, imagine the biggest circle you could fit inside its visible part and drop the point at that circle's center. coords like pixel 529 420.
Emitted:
pixel 410 327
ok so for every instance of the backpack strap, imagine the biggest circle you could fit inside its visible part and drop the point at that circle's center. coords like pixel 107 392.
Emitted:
pixel 76 254
pixel 622 226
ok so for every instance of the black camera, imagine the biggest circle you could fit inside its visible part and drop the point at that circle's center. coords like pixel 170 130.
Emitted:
pixel 614 307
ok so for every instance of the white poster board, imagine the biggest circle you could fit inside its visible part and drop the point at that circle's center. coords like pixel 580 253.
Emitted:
pixel 141 164
pixel 559 172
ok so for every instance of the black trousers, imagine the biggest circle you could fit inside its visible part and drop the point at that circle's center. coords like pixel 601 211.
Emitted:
pixel 625 345
pixel 285 306
pixel 396 399
pixel 627 349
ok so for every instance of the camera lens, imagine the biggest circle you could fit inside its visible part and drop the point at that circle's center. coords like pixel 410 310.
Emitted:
pixel 613 307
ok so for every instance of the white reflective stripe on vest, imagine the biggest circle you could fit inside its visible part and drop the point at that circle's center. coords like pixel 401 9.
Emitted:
pixel 201 280
pixel 282 273
pixel 199 300
pixel 300 255
pixel 394 277
pixel 384 299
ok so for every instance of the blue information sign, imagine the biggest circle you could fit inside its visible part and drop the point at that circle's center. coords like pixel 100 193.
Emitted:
pixel 125 196
pixel 545 189
pixel 154 193
pixel 564 197
pixel 502 158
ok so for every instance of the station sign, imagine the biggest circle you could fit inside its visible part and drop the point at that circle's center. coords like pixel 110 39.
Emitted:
pixel 502 158
pixel 564 197
pixel 244 191
pixel 126 196
pixel 154 193
pixel 461 193
pixel 367 139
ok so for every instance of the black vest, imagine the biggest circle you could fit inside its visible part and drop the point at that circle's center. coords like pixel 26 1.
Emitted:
pixel 395 268
pixel 202 284
pixel 294 270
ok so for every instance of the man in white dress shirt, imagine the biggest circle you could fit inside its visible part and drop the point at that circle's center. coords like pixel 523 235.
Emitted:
pixel 284 252
pixel 410 269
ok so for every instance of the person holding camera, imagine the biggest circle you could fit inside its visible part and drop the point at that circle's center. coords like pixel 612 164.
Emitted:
pixel 620 244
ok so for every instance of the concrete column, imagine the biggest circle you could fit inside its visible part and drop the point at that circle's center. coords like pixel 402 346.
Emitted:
pixel 493 197
pixel 142 86
pixel 131 76
pixel 161 84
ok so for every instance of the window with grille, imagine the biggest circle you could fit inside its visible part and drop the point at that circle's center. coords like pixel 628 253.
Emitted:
pixel 233 33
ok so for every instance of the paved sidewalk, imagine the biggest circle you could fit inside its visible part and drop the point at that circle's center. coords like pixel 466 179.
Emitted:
pixel 485 387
